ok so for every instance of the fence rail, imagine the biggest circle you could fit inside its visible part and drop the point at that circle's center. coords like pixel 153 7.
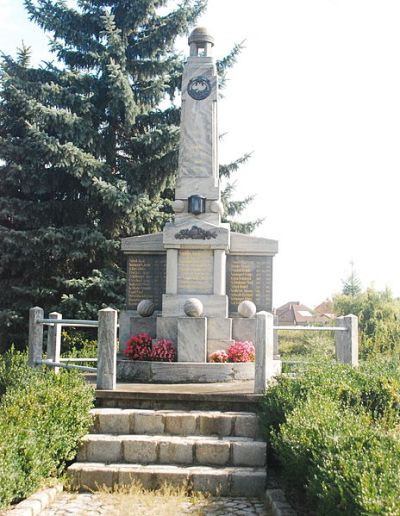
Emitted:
pixel 68 322
pixel 311 328
pixel 106 344
pixel 51 363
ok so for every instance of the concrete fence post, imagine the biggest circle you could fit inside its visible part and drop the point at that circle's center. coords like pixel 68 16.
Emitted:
pixel 54 340
pixel 276 339
pixel 107 349
pixel 347 341
pixel 264 349
pixel 35 339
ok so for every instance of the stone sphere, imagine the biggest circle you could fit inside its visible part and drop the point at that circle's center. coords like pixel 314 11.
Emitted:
pixel 247 309
pixel 193 307
pixel 145 308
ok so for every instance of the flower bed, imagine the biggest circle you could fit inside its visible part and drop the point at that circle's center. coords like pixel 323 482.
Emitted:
pixel 140 347
pixel 240 351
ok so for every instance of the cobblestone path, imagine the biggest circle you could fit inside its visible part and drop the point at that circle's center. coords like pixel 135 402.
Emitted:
pixel 89 504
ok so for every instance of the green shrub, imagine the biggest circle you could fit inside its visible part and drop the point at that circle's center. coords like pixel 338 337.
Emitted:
pixel 347 466
pixel 379 321
pixel 374 387
pixel 41 423
pixel 335 431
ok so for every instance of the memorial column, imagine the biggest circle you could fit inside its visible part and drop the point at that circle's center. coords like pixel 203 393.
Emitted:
pixel 172 271
pixel 219 272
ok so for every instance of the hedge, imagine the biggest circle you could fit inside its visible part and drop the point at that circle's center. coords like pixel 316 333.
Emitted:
pixel 43 416
pixel 335 432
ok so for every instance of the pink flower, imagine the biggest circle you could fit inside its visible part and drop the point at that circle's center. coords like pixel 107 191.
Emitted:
pixel 241 351
pixel 163 351
pixel 138 347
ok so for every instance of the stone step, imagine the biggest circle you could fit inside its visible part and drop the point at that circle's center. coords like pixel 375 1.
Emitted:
pixel 163 449
pixel 155 422
pixel 226 481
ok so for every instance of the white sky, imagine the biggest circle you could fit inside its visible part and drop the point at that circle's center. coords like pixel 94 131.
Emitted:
pixel 316 96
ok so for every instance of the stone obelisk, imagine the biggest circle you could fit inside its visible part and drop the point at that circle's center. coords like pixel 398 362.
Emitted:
pixel 197 257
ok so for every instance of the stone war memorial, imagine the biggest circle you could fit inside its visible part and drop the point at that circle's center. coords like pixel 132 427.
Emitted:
pixel 196 283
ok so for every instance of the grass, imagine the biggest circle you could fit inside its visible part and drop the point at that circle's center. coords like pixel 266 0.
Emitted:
pixel 167 500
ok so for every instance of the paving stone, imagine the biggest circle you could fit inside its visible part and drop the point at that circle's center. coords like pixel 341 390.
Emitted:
pixel 176 451
pixel 215 453
pixel 210 480
pixel 248 482
pixel 246 425
pixel 103 448
pixel 219 424
pixel 180 424
pixel 93 476
pixel 148 422
pixel 112 421
pixel 140 449
pixel 249 453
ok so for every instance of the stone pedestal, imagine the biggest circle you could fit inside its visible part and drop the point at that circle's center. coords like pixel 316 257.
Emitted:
pixel 192 339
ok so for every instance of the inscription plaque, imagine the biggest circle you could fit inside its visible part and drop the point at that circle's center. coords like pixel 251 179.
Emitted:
pixel 195 272
pixel 146 279
pixel 249 277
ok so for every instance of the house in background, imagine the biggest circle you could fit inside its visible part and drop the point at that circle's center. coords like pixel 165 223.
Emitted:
pixel 295 313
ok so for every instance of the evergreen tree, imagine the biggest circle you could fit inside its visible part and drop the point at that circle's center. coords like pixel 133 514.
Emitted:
pixel 352 285
pixel 86 152
pixel 87 155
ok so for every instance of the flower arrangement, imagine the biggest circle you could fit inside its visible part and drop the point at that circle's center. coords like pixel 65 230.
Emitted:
pixel 219 356
pixel 139 347
pixel 240 351
pixel 163 351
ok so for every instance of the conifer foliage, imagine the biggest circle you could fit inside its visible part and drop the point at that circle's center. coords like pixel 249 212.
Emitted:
pixel 86 153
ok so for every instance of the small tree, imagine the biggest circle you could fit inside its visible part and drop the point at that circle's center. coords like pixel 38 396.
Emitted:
pixel 379 320
pixel 352 285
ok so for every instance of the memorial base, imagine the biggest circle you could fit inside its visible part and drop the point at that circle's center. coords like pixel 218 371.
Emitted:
pixel 129 371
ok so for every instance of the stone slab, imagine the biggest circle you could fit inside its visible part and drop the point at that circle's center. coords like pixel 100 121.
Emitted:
pixel 192 339
pixel 216 345
pixel 214 305
pixel 244 329
pixel 195 271
pixel 167 328
pixel 248 244
pixel 210 218
pixel 248 482
pixel 249 277
pixel 145 243
pixel 146 279
pixel 176 451
pixel 187 372
pixel 219 328
pixel 130 323
pixel 249 454
pixel 140 449
pixel 212 453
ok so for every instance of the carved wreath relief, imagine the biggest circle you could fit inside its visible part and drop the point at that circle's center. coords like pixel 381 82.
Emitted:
pixel 195 233
pixel 199 88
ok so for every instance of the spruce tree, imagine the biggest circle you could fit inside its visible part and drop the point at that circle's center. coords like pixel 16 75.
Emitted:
pixel 87 154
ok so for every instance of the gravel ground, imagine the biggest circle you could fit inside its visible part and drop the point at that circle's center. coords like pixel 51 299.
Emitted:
pixel 93 504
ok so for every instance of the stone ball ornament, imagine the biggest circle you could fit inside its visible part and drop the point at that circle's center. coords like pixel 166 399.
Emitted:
pixel 247 309
pixel 193 307
pixel 145 308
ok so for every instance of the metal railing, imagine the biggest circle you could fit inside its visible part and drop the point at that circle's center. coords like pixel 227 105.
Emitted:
pixel 106 344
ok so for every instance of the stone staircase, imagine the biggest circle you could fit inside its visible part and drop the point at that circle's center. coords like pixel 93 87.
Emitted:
pixel 217 452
